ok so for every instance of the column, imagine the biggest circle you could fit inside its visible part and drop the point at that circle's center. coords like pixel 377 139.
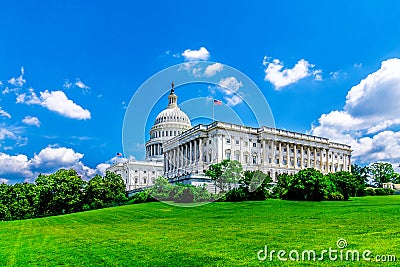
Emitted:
pixel 308 157
pixel 295 156
pixel 321 159
pixel 288 155
pixel 264 154
pixel 190 153
pixel 315 157
pixel 165 163
pixel 327 160
pixel 280 154
pixel 301 156
pixel 273 156
pixel 200 151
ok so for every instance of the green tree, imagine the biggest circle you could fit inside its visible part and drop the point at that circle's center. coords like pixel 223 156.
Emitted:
pixel 381 172
pixel 257 184
pixel 361 175
pixel 60 192
pixel 104 191
pixel 396 178
pixel 225 174
pixel 344 182
pixel 307 184
pixel 162 189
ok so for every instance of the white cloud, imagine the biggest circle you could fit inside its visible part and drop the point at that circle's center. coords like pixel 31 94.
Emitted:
pixel 80 84
pixel 280 77
pixel 55 101
pixel 229 85
pixel 67 84
pixel 4 181
pixel 233 100
pixel 29 120
pixel 193 55
pixel 10 136
pixel 101 168
pixel 4 134
pixel 51 159
pixel 4 113
pixel 19 81
pixel 211 70
pixel 370 117
pixel 48 160
pixel 18 165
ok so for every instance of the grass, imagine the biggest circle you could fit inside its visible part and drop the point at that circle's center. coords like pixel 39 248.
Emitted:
pixel 218 234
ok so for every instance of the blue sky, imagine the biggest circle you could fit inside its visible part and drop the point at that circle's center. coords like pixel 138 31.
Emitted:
pixel 68 70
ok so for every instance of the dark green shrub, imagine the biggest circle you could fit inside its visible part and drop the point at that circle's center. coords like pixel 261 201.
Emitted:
pixel 236 194
pixel 380 191
pixel 335 196
pixel 369 191
pixel 140 197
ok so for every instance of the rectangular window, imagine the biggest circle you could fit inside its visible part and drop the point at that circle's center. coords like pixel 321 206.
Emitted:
pixel 246 143
pixel 246 158
pixel 228 141
pixel 254 144
pixel 237 142
pixel 228 155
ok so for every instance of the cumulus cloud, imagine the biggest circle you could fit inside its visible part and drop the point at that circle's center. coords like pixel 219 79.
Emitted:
pixel 212 69
pixel 18 81
pixel 230 86
pixel 48 160
pixel 193 55
pixel 29 120
pixel 4 181
pixel 280 76
pixel 51 159
pixel 55 101
pixel 18 165
pixel 4 113
pixel 101 168
pixel 370 118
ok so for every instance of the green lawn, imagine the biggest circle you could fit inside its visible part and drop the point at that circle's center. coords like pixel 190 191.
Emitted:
pixel 218 234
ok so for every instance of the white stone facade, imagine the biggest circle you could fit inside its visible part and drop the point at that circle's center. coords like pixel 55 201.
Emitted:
pixel 138 174
pixel 182 153
pixel 272 151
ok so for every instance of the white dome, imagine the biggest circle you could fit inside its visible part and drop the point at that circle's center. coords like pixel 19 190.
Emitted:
pixel 172 115
pixel 169 123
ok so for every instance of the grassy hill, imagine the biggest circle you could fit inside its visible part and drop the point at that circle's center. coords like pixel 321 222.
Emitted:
pixel 218 234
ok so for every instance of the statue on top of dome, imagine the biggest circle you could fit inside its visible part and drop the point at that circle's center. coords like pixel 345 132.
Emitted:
pixel 172 90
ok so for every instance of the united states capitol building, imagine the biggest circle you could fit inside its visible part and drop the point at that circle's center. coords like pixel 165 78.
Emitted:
pixel 181 153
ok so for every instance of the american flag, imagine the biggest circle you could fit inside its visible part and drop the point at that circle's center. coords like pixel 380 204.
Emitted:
pixel 119 154
pixel 217 102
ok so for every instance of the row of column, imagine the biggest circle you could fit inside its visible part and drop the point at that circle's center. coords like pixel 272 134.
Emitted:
pixel 153 150
pixel 305 162
pixel 184 155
